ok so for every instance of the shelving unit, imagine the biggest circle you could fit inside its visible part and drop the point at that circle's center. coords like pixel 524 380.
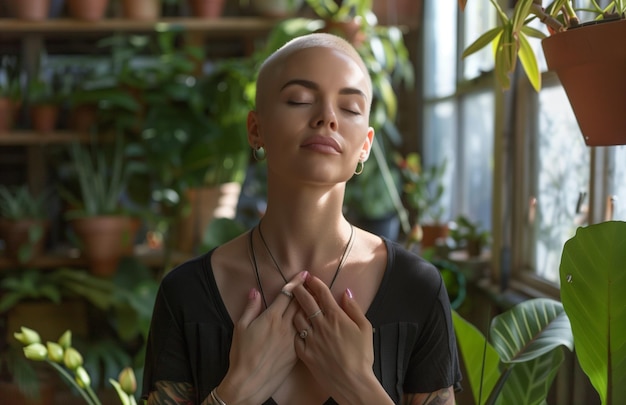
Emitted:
pixel 220 37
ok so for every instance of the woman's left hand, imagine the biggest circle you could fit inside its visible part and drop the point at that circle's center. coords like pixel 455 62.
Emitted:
pixel 334 342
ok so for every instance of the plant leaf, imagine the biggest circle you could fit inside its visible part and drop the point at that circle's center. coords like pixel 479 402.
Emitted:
pixel 529 62
pixel 472 345
pixel 531 329
pixel 482 41
pixel 593 282
pixel 529 382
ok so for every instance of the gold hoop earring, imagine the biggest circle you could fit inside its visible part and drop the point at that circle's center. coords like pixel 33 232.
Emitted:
pixel 359 167
pixel 259 154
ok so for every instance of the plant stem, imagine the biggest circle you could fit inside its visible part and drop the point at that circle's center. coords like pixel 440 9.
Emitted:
pixel 72 381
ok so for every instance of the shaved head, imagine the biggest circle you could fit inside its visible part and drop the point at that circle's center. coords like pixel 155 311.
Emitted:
pixel 271 66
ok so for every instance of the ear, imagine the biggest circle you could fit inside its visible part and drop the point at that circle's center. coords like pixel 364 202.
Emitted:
pixel 367 145
pixel 254 138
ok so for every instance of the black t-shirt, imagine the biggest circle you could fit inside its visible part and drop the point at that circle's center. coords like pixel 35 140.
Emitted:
pixel 414 343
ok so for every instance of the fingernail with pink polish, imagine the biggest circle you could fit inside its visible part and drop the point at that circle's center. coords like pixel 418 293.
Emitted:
pixel 252 294
pixel 304 274
pixel 349 293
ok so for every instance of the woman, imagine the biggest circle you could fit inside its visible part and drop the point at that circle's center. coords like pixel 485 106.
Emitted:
pixel 305 308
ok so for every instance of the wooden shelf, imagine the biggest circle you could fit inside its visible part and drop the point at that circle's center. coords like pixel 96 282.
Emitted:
pixel 72 258
pixel 27 138
pixel 218 27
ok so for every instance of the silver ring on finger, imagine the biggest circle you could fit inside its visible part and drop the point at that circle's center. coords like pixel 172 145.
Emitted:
pixel 303 333
pixel 286 293
pixel 317 313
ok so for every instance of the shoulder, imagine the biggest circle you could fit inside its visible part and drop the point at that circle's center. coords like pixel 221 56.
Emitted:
pixel 186 275
pixel 403 264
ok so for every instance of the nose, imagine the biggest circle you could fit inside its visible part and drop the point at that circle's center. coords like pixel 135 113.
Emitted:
pixel 325 116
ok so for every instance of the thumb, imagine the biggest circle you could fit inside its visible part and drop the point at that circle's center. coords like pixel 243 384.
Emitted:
pixel 253 308
pixel 353 310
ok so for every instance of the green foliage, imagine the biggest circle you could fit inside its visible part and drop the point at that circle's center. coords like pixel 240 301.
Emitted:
pixel 464 230
pixel 340 10
pixel 18 203
pixel 220 231
pixel 593 282
pixel 423 187
pixel 523 355
pixel 102 179
pixel 510 38
pixel 10 84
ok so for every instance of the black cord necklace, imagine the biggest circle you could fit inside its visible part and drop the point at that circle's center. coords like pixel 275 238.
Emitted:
pixel 342 260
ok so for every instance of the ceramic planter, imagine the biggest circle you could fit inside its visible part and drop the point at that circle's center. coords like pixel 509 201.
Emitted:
pixel 32 10
pixel 88 10
pixel 44 117
pixel 207 8
pixel 590 62
pixel 104 241
pixel 141 9
pixel 17 234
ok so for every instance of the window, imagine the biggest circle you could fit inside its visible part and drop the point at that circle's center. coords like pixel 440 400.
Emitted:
pixel 458 109
pixel 519 154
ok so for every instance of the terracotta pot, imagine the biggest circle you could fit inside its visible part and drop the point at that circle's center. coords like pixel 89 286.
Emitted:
pixel 590 65
pixel 88 10
pixel 104 239
pixel 33 10
pixel 350 30
pixel 431 233
pixel 206 203
pixel 16 234
pixel 398 12
pixel 44 117
pixel 7 114
pixel 83 117
pixel 207 8
pixel 141 9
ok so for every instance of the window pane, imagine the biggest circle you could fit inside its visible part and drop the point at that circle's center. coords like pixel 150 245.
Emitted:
pixel 440 50
pixel 476 175
pixel 479 17
pixel 440 144
pixel 619 184
pixel 563 177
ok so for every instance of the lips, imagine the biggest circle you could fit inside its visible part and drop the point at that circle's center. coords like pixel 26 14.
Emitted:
pixel 320 143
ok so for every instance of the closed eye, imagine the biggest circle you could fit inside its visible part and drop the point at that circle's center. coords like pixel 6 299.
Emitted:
pixel 290 102
pixel 352 111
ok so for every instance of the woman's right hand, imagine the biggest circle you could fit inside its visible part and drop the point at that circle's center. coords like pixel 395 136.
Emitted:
pixel 262 352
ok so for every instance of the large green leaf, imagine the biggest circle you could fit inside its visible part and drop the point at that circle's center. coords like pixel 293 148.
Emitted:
pixel 593 292
pixel 529 382
pixel 531 329
pixel 480 358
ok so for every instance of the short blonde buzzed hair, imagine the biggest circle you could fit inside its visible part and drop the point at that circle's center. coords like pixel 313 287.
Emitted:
pixel 315 40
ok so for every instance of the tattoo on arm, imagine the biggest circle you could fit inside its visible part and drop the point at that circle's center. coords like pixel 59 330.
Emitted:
pixel 171 393
pixel 444 396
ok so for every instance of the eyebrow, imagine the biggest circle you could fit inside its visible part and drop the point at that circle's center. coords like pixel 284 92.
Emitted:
pixel 313 86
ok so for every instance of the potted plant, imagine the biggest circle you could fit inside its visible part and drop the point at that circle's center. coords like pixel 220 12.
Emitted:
pixel 43 96
pixel 469 235
pixel 576 52
pixel 23 222
pixel 423 191
pixel 104 228
pixel 524 345
pixel 10 91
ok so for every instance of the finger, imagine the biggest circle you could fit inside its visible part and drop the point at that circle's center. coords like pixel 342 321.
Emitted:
pixel 282 301
pixel 306 300
pixel 354 311
pixel 253 308
pixel 321 292
pixel 300 322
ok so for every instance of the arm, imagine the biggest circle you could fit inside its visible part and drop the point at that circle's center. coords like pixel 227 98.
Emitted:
pixel 169 392
pixel 444 396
